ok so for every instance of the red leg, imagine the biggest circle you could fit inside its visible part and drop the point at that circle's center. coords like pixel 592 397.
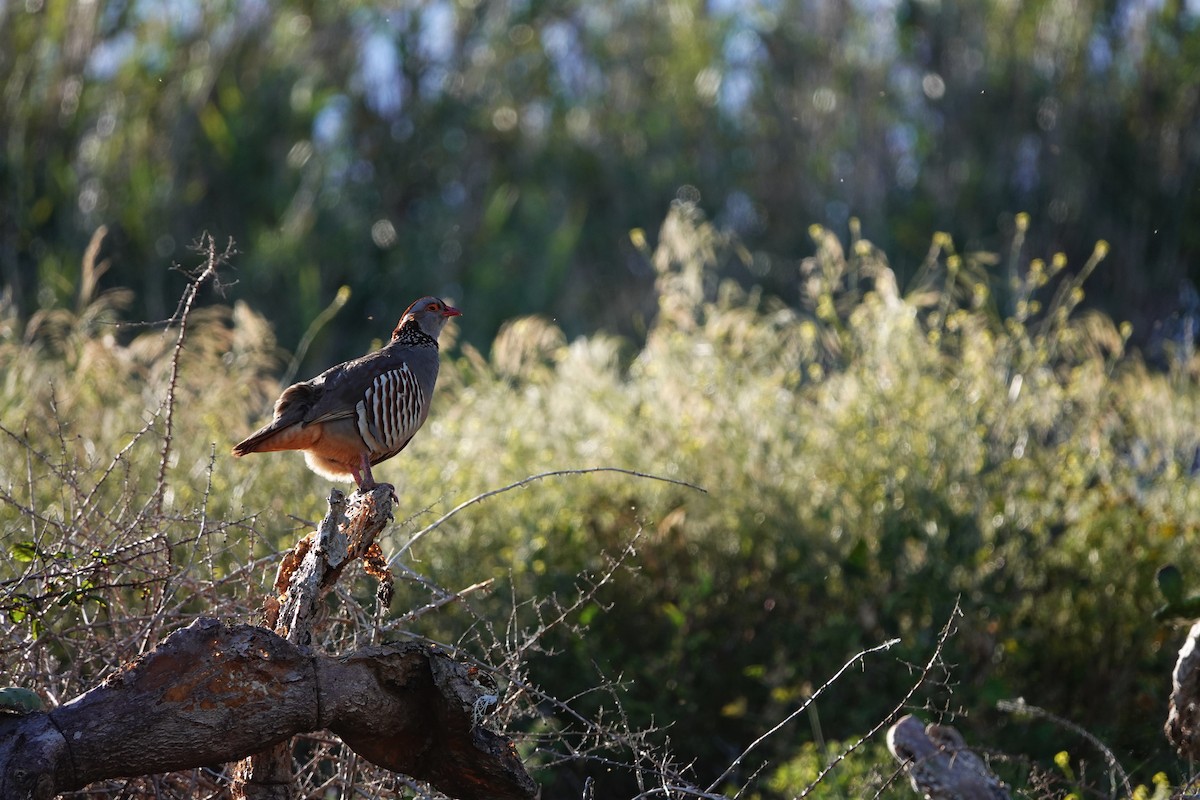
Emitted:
pixel 366 481
pixel 362 475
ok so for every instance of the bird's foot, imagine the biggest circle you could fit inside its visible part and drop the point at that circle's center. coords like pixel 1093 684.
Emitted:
pixel 366 481
pixel 372 487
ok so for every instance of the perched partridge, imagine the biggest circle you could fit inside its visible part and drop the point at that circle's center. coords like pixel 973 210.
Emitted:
pixel 364 411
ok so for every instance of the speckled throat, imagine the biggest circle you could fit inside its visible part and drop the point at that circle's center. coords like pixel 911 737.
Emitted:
pixel 409 334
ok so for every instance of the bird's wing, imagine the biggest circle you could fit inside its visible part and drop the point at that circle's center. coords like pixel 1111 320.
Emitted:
pixel 343 386
pixel 336 394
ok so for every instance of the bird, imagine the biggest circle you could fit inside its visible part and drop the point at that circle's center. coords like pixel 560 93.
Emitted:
pixel 361 412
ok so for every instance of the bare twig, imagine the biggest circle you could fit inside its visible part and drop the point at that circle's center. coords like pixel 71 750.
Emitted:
pixel 1020 707
pixel 441 596
pixel 934 658
pixel 416 537
pixel 581 735
pixel 321 320
pixel 206 273
pixel 800 710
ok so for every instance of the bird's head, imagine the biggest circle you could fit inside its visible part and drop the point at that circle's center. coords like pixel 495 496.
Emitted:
pixel 429 314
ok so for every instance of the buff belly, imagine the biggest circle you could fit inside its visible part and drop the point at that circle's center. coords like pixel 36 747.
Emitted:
pixel 335 451
pixel 326 468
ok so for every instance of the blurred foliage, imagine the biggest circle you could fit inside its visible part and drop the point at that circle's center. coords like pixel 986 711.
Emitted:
pixel 872 456
pixel 498 152
pixel 872 773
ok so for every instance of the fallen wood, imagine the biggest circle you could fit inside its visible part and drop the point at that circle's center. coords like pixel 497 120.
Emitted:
pixel 212 693
pixel 1183 710
pixel 939 764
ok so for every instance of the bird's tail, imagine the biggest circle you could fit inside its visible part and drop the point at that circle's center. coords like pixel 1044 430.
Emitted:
pixel 286 431
pixel 254 443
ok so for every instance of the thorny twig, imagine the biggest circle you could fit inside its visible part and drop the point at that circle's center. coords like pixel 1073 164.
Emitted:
pixel 206 273
pixel 442 597
pixel 515 649
pixel 800 710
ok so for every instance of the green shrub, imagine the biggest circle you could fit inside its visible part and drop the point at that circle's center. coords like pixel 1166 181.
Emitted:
pixel 871 458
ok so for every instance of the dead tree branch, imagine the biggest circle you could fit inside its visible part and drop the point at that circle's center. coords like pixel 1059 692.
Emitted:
pixel 312 568
pixel 211 693
pixel 1183 715
pixel 306 574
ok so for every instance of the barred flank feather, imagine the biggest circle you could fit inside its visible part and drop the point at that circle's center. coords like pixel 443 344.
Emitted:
pixel 390 411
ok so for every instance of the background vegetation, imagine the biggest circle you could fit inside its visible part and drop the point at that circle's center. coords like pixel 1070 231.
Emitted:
pixel 683 192
pixel 875 460
pixel 500 152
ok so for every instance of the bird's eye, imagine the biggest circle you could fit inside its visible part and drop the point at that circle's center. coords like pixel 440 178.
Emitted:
pixel 431 307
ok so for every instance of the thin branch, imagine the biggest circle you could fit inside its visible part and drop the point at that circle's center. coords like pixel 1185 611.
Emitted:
pixel 800 710
pixel 442 597
pixel 416 537
pixel 669 790
pixel 321 320
pixel 936 656
pixel 1021 707
pixel 207 272
pixel 520 643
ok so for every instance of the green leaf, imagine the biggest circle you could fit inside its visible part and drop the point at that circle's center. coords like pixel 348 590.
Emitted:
pixel 673 613
pixel 20 700
pixel 1170 583
pixel 588 614
pixel 24 552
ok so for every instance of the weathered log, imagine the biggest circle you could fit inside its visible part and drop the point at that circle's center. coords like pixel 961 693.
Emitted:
pixel 306 574
pixel 1183 711
pixel 212 693
pixel 939 764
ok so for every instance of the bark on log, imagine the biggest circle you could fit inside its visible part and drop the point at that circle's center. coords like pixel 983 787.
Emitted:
pixel 306 574
pixel 1183 711
pixel 312 568
pixel 212 693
